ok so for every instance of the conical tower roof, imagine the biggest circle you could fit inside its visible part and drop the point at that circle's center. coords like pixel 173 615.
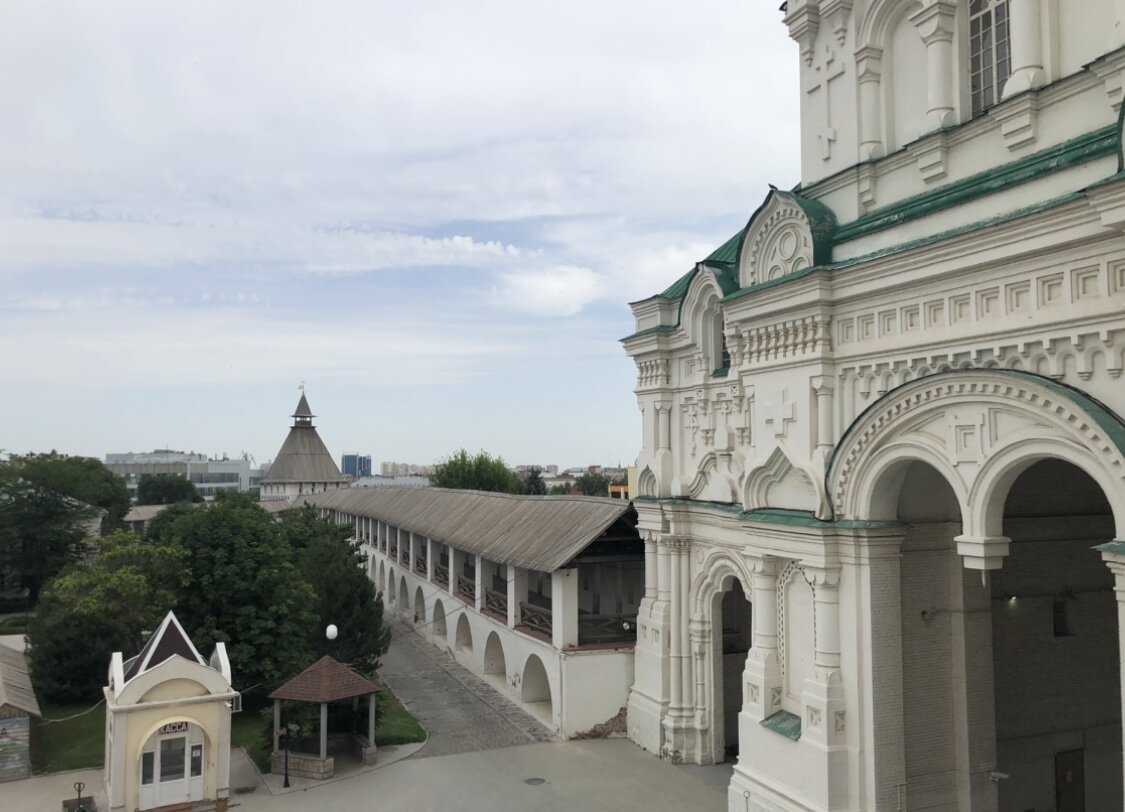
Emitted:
pixel 303 456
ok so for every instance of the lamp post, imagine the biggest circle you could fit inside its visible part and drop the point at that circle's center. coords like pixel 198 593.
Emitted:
pixel 291 730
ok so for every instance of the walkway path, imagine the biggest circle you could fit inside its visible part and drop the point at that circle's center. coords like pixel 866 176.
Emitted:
pixel 461 712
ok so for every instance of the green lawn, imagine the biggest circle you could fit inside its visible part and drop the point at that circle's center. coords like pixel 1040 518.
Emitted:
pixel 396 725
pixel 69 745
pixel 13 624
pixel 248 729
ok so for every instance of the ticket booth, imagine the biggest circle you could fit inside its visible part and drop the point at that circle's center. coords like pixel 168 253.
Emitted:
pixel 168 716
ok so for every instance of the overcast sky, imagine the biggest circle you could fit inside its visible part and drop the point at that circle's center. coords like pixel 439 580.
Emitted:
pixel 433 213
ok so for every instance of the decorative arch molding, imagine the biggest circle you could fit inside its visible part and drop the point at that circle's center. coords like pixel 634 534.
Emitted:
pixel 980 429
pixel 706 473
pixel 647 484
pixel 716 567
pixel 880 19
pixel 786 235
pixel 758 483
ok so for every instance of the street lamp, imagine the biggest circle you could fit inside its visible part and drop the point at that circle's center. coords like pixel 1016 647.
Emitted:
pixel 291 730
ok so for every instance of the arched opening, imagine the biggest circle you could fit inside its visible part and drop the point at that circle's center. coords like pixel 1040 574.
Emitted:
pixel 464 640
pixel 403 596
pixel 391 587
pixel 732 635
pixel 535 688
pixel 419 606
pixel 172 764
pixel 1055 656
pixel 494 657
pixel 439 620
pixel 933 583
pixel 381 581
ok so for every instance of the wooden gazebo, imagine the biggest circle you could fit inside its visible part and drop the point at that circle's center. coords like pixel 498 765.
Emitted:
pixel 325 681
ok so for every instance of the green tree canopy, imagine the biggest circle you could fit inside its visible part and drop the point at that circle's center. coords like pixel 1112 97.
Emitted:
pixel 244 589
pixel 482 472
pixel 41 530
pixel 593 484
pixel 562 489
pixel 88 612
pixel 84 479
pixel 166 489
pixel 532 482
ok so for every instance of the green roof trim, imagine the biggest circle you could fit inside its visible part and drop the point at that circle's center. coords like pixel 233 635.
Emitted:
pixel 785 723
pixel 1115 547
pixel 679 288
pixel 721 372
pixel 660 328
pixel 778 516
pixel 1105 141
pixel 728 252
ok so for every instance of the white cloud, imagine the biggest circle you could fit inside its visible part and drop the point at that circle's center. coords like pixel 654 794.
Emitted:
pixel 557 291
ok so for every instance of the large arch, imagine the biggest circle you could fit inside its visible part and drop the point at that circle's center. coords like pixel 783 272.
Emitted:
pixel 980 429
pixel 535 686
pixel 464 639
pixel 494 656
pixel 391 593
pixel 439 619
pixel 419 606
pixel 403 595
pixel 381 581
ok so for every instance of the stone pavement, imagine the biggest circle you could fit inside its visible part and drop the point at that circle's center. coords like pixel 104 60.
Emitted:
pixel 460 711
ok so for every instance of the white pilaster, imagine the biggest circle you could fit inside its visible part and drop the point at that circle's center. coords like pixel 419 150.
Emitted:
pixel 934 21
pixel 564 608
pixel 517 592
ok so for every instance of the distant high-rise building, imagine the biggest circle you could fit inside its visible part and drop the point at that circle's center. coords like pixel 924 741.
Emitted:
pixel 210 476
pixel 355 465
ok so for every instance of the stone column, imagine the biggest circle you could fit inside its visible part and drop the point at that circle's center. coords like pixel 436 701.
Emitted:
pixel 371 700
pixel 823 385
pixel 1113 554
pixel 456 559
pixel 517 592
pixel 683 630
pixel 478 587
pixel 762 674
pixel 431 552
pixel 675 630
pixel 974 705
pixel 663 425
pixel 323 731
pixel 934 21
pixel 664 570
pixel 651 577
pixel 1026 43
pixel 276 724
pixel 824 719
pixel 869 74
pixel 564 608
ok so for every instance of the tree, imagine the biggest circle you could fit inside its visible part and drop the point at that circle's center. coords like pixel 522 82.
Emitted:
pixel 592 484
pixel 532 482
pixel 41 530
pixel 478 473
pixel 243 589
pixel 562 489
pixel 166 489
pixel 87 612
pixel 83 479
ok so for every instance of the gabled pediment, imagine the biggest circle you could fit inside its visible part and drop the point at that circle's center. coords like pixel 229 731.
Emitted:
pixel 786 235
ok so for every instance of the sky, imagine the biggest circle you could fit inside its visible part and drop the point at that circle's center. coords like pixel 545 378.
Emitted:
pixel 432 214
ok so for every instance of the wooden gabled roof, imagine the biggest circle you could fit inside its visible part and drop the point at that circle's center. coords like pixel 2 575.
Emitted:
pixel 326 680
pixel 15 683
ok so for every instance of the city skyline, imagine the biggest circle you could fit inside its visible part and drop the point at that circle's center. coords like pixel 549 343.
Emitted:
pixel 436 222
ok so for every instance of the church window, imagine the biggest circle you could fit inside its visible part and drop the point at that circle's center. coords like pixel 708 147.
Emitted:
pixel 989 53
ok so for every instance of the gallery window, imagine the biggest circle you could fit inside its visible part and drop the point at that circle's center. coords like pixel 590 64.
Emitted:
pixel 990 61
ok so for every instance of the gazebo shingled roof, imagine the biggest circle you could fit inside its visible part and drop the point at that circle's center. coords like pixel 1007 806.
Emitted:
pixel 326 680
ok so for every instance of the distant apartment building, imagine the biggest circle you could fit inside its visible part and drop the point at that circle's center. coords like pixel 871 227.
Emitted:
pixel 404 469
pixel 355 465
pixel 210 476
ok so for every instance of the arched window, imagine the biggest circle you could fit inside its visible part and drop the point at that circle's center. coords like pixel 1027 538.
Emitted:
pixel 990 61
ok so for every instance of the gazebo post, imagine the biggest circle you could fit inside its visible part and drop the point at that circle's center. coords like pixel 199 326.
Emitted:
pixel 276 724
pixel 370 719
pixel 323 731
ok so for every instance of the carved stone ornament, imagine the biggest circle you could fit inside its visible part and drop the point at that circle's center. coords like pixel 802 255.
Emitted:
pixel 786 235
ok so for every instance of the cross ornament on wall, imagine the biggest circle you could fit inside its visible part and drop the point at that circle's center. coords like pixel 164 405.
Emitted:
pixel 778 414
pixel 820 81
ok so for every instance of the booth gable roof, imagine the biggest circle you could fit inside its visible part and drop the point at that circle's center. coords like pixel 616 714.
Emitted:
pixel 326 680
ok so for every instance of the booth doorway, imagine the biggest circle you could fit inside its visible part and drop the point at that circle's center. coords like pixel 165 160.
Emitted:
pixel 172 766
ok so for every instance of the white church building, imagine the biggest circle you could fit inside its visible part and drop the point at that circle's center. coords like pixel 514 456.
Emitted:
pixel 882 483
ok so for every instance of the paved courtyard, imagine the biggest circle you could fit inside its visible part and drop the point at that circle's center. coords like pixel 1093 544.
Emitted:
pixel 461 712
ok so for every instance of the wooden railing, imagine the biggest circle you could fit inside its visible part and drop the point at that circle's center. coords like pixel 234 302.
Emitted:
pixel 406 558
pixel 606 628
pixel 535 618
pixel 420 565
pixel 441 575
pixel 467 588
pixel 496 603
pixel 393 552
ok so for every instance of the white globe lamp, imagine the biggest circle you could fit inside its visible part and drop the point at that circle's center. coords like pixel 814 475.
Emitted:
pixel 331 631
